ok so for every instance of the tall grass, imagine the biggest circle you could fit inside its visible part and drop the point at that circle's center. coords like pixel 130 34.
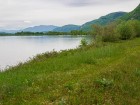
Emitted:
pixel 89 75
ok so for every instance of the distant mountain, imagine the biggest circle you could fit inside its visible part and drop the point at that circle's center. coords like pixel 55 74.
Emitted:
pixel 135 14
pixel 67 28
pixel 9 31
pixel 103 20
pixel 41 28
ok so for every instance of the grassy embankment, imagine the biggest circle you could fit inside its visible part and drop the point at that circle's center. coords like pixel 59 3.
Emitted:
pixel 108 74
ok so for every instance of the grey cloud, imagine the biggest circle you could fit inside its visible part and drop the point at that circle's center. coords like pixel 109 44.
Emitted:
pixel 79 3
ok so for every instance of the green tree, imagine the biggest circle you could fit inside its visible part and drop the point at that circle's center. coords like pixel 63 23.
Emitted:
pixel 125 31
pixel 136 26
pixel 109 34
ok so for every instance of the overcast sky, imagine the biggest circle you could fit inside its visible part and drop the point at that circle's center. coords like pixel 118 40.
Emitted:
pixel 18 14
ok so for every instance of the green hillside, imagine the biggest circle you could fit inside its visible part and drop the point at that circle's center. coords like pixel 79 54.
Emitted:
pixel 135 14
pixel 103 20
pixel 67 28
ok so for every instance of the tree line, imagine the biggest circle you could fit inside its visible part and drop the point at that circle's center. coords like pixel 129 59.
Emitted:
pixel 73 32
pixel 119 30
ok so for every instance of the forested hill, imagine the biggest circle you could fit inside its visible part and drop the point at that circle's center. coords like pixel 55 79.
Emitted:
pixel 67 28
pixel 103 20
pixel 135 14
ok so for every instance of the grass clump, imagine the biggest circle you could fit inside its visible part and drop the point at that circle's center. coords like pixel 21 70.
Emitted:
pixel 104 82
pixel 137 72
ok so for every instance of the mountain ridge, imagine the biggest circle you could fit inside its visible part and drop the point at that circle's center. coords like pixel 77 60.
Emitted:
pixel 40 28
pixel 134 14
pixel 103 20
pixel 67 28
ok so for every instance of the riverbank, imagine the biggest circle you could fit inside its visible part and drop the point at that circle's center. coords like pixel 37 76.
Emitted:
pixel 98 74
pixel 25 47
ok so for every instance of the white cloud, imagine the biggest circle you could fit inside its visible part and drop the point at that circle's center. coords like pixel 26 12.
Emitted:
pixel 15 14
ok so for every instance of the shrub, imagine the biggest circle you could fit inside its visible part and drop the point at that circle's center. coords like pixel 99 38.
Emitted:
pixel 109 33
pixel 112 32
pixel 125 31
pixel 83 42
pixel 98 30
pixel 109 38
pixel 106 32
pixel 136 27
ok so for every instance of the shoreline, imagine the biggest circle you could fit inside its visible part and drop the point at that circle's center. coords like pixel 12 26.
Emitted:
pixel 92 72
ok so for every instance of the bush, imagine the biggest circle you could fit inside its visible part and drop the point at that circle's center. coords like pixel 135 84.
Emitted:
pixel 109 33
pixel 112 32
pixel 83 42
pixel 109 38
pixel 125 31
pixel 136 27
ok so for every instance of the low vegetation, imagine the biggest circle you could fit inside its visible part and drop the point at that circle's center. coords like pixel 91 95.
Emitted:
pixel 107 74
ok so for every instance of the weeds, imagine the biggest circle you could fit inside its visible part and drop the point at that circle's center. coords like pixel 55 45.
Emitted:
pixel 66 77
pixel 137 72
pixel 104 82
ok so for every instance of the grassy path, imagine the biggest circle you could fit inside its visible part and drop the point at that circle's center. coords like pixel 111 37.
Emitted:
pixel 106 75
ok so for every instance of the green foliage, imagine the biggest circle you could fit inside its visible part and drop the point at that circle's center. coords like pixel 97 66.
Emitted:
pixel 125 31
pixel 137 72
pixel 135 24
pixel 109 34
pixel 118 30
pixel 128 30
pixel 73 32
pixel 106 32
pixel 41 33
pixel 83 42
pixel 69 86
pixel 78 32
pixel 98 30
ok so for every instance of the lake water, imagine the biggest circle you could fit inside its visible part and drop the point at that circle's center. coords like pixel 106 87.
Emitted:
pixel 15 49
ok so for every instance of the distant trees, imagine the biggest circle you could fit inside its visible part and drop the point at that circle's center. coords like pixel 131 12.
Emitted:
pixel 78 32
pixel 118 30
pixel 29 33
pixel 56 33
pixel 42 33
pixel 74 32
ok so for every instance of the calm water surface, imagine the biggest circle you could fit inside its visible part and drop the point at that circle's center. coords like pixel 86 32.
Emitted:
pixel 15 49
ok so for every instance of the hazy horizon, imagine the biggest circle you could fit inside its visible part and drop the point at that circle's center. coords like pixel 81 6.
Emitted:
pixel 19 14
